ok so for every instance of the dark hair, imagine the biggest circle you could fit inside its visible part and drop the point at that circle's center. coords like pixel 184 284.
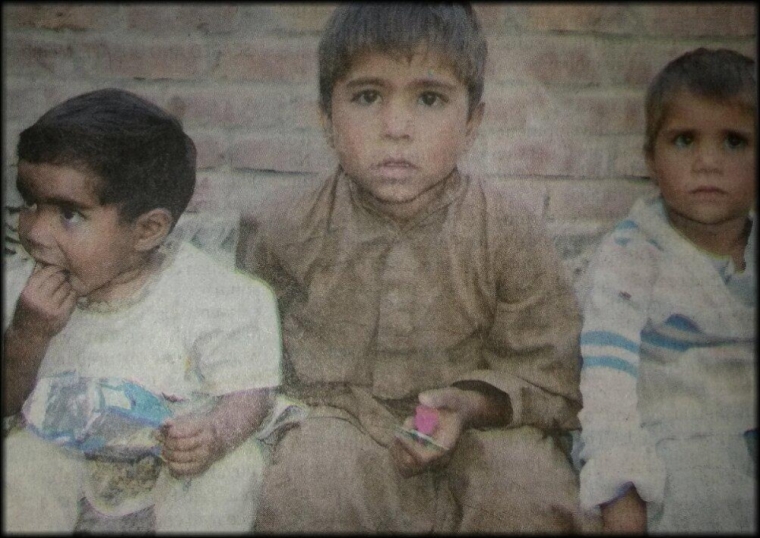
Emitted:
pixel 722 74
pixel 140 154
pixel 398 28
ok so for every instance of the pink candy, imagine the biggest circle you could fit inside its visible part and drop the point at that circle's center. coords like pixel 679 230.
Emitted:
pixel 425 419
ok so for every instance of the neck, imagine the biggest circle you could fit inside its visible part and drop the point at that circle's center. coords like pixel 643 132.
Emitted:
pixel 129 282
pixel 727 238
pixel 402 212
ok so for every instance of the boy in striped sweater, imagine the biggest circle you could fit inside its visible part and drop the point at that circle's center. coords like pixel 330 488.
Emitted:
pixel 668 378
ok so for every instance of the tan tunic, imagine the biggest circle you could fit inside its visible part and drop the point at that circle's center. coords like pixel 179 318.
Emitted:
pixel 374 312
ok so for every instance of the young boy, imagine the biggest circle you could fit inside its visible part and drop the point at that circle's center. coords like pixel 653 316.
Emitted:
pixel 104 177
pixel 669 332
pixel 403 282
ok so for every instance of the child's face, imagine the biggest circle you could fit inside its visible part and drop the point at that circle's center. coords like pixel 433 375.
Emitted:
pixel 704 160
pixel 400 126
pixel 63 224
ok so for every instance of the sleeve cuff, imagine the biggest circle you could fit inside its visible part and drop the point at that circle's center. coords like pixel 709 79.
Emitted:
pixel 605 477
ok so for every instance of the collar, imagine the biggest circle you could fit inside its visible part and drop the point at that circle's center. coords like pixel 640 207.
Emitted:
pixel 348 199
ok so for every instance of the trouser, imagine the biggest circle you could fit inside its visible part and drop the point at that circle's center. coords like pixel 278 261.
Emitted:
pixel 330 475
pixel 43 486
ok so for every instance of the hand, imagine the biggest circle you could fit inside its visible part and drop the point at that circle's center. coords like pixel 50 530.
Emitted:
pixel 625 515
pixel 46 302
pixel 454 409
pixel 190 444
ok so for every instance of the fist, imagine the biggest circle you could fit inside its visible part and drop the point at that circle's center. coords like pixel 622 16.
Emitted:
pixel 46 302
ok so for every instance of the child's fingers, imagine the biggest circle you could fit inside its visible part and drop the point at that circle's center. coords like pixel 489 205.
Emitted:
pixel 185 469
pixel 182 444
pixel 62 294
pixel 70 300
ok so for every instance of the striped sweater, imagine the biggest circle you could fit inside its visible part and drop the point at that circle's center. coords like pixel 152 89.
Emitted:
pixel 668 352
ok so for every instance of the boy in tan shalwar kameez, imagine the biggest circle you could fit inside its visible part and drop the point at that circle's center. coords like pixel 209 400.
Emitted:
pixel 402 281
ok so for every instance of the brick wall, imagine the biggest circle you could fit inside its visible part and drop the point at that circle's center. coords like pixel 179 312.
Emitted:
pixel 564 91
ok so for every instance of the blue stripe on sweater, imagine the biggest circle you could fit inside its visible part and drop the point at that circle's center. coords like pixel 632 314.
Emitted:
pixel 607 338
pixel 606 361
pixel 667 342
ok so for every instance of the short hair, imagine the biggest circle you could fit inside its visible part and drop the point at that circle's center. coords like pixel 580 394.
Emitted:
pixel 138 152
pixel 722 74
pixel 398 28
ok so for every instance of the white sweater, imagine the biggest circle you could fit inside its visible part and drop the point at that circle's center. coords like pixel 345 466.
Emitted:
pixel 668 352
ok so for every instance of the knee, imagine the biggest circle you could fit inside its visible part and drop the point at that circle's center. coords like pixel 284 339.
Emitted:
pixel 325 450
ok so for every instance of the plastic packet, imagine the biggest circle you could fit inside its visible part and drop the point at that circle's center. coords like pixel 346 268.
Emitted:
pixel 108 418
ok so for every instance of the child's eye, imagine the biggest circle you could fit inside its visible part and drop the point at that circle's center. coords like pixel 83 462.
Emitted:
pixel 28 205
pixel 736 141
pixel 683 140
pixel 71 216
pixel 432 99
pixel 366 97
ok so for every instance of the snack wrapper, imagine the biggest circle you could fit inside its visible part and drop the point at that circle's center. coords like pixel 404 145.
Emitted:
pixel 107 418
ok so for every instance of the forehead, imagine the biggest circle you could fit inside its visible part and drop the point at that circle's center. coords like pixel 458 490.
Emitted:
pixel 421 62
pixel 58 183
pixel 687 109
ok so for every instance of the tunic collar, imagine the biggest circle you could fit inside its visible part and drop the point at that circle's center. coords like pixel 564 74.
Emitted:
pixel 348 199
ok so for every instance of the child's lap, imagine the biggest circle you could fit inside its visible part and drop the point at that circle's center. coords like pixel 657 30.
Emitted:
pixel 710 485
pixel 507 479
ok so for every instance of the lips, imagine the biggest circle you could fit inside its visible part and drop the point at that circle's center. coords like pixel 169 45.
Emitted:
pixel 708 190
pixel 395 163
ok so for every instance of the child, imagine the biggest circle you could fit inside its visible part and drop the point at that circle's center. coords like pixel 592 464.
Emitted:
pixel 668 340
pixel 402 283
pixel 104 177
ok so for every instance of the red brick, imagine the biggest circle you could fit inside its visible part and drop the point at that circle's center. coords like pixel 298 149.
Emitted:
pixel 245 106
pixel 572 17
pixel 270 60
pixel 608 113
pixel 594 199
pixel 59 16
pixel 146 59
pixel 30 56
pixel 167 18
pixel 492 17
pixel 547 154
pixel 628 157
pixel 298 18
pixel 211 150
pixel 636 64
pixel 513 108
pixel 547 59
pixel 699 20
pixel 303 152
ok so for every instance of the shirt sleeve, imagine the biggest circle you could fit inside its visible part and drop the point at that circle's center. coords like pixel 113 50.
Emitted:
pixel 615 450
pixel 532 349
pixel 235 334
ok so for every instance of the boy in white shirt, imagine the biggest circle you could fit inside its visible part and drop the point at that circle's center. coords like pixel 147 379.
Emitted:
pixel 102 295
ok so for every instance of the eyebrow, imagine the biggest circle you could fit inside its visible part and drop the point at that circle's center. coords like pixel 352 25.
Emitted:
pixel 417 83
pixel 62 201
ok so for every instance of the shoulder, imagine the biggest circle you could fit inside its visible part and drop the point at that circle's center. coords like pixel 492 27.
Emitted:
pixel 286 209
pixel 196 277
pixel 628 254
pixel 500 208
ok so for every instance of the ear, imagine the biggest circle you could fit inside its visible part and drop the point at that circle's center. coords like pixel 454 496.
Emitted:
pixel 327 128
pixel 473 124
pixel 151 228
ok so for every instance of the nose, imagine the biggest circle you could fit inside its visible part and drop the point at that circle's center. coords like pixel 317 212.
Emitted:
pixel 708 157
pixel 34 228
pixel 396 120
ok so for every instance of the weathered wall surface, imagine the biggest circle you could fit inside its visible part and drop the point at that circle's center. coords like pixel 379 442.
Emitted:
pixel 564 91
